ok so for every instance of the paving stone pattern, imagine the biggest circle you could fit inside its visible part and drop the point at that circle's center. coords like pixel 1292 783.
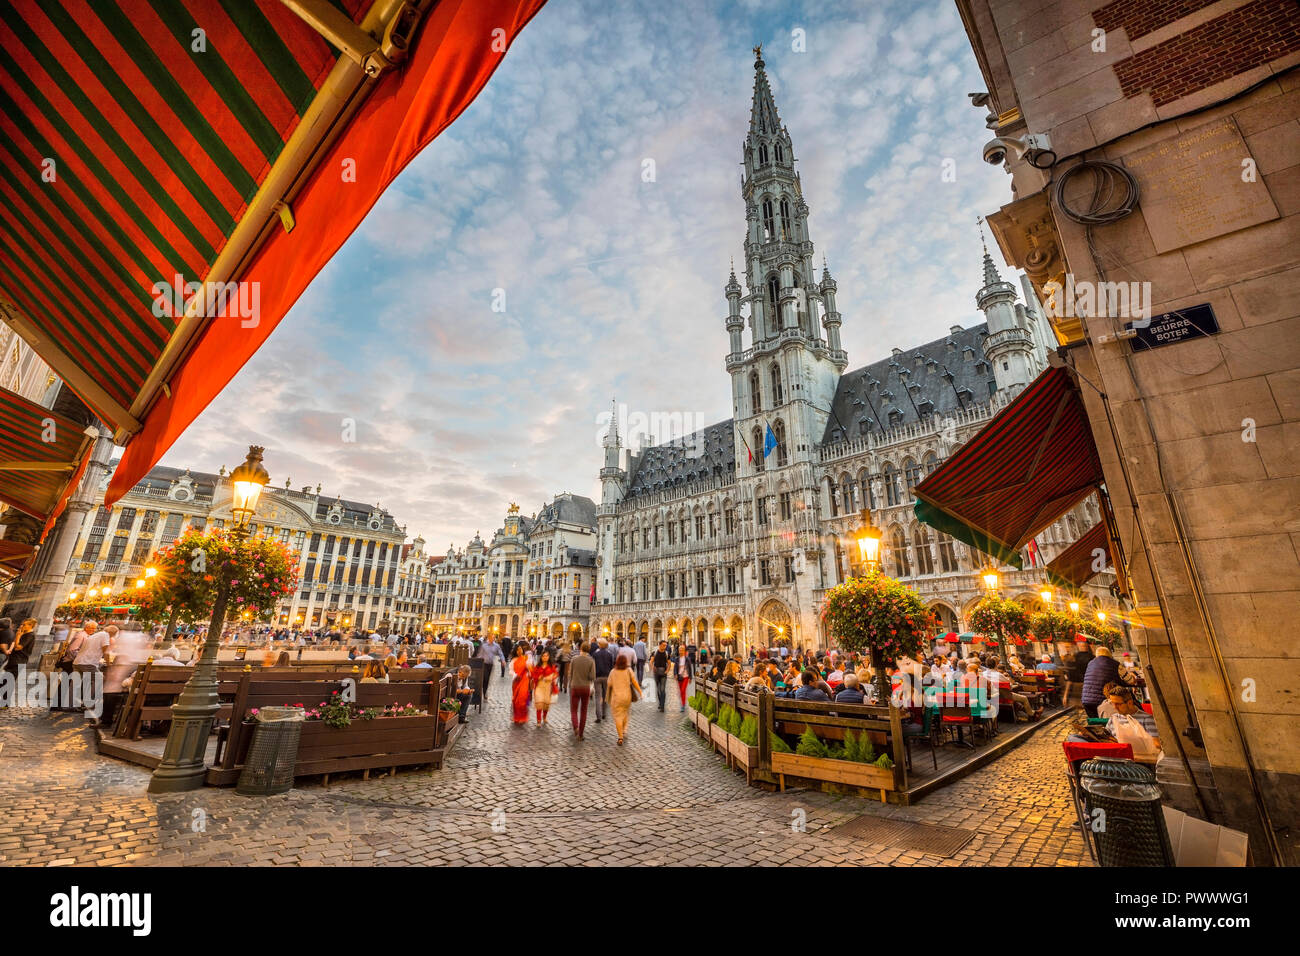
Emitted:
pixel 528 796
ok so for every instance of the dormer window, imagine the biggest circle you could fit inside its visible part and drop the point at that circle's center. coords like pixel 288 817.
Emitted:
pixel 968 354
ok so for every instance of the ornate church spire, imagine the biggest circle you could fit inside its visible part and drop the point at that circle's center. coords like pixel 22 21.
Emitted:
pixel 763 118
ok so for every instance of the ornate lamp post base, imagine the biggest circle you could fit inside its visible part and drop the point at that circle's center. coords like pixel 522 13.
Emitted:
pixel 183 765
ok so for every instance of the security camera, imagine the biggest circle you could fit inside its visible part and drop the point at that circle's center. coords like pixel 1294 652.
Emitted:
pixel 978 99
pixel 1036 148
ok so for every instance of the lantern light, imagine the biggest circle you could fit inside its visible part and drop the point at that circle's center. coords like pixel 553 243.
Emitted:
pixel 247 482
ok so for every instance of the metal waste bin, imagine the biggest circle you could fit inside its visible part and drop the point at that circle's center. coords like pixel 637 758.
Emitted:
pixel 268 768
pixel 1130 830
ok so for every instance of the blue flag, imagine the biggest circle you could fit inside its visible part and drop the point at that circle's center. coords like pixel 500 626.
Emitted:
pixel 769 441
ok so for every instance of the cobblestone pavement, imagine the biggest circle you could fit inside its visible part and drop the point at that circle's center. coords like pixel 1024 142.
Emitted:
pixel 521 796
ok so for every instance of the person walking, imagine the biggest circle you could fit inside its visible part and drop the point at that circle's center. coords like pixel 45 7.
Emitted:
pixel 505 654
pixel 544 677
pixel 582 677
pixel 660 663
pixel 520 690
pixel 684 671
pixel 641 652
pixel 562 663
pixel 623 690
pixel 489 654
pixel 604 660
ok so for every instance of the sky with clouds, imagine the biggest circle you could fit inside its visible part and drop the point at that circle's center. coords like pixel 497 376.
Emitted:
pixel 612 286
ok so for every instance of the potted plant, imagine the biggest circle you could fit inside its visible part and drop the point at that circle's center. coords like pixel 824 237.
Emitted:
pixel 1001 618
pixel 881 615
pixel 854 763
pixel 448 709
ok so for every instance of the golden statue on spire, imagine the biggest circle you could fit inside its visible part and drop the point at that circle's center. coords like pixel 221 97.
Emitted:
pixel 513 509
pixel 758 52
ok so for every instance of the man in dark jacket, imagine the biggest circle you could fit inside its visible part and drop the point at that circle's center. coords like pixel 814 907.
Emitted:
pixel 1102 670
pixel 604 659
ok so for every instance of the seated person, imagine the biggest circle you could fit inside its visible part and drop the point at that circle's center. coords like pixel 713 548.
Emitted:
pixel 376 672
pixel 1122 701
pixel 464 691
pixel 1045 664
pixel 731 675
pixel 850 693
pixel 424 664
pixel 836 676
pixel 759 680
pixel 808 689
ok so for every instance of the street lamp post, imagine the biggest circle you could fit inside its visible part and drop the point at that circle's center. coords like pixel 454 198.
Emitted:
pixel 182 767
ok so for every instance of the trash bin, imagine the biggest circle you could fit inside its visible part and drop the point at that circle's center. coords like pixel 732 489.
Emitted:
pixel 268 768
pixel 1131 830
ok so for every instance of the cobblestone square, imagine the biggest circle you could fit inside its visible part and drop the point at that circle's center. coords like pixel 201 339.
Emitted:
pixel 517 796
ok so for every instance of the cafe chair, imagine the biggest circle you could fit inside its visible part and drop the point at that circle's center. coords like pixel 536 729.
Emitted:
pixel 923 731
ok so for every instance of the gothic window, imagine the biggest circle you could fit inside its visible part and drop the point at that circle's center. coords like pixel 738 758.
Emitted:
pixel 755 396
pixel 893 487
pixel 785 218
pixel 773 300
pixel 762 154
pixel 835 504
pixel 786 506
pixel 868 496
pixel 846 487
pixel 947 558
pixel 769 227
pixel 931 462
pixel 921 541
pixel 778 393
pixel 729 520
pixel 756 446
pixel 913 474
pixel 780 154
pixel 898 542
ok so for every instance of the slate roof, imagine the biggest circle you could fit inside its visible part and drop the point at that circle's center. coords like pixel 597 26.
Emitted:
pixel 911 385
pixel 707 453
pixel 568 509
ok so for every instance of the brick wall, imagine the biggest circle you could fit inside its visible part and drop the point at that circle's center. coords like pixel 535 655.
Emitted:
pixel 1139 17
pixel 1217 50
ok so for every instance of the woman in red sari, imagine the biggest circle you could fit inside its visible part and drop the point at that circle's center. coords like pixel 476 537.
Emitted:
pixel 521 689
pixel 544 677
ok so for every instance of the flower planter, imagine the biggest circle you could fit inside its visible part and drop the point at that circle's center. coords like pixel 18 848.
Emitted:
pixel 365 744
pixel 845 772
pixel 702 725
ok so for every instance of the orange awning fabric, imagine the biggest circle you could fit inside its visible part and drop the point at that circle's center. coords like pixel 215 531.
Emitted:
pixel 42 456
pixel 452 60
pixel 201 143
pixel 14 558
pixel 1034 461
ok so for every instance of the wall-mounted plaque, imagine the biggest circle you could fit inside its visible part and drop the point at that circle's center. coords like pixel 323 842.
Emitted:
pixel 1198 185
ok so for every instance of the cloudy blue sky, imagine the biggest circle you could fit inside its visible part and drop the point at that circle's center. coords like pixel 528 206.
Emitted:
pixel 612 285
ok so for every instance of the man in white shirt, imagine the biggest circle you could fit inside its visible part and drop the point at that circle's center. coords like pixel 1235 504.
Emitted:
pixel 93 649
pixel 630 654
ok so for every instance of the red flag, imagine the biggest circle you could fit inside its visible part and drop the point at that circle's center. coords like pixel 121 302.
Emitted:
pixel 1033 553
pixel 746 444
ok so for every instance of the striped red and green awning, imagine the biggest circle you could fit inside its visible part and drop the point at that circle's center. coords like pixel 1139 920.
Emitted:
pixel 14 557
pixel 148 147
pixel 1083 560
pixel 1034 461
pixel 41 457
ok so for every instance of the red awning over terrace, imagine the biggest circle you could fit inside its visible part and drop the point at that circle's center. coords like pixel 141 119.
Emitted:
pixel 214 141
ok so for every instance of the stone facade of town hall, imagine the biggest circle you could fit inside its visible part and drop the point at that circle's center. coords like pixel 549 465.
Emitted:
pixel 712 539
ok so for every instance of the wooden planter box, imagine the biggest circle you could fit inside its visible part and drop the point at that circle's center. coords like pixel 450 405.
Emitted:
pixel 743 755
pixel 844 772
pixel 702 725
pixel 366 744
pixel 719 737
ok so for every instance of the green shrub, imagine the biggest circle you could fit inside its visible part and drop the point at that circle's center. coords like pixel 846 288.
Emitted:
pixel 710 709
pixel 836 752
pixel 749 731
pixel 810 745
pixel 778 745
pixel 885 763
pixel 729 720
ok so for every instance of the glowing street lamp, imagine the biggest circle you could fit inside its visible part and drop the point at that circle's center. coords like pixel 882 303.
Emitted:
pixel 869 538
pixel 1101 617
pixel 990 578
pixel 1046 595
pixel 139 582
pixel 1074 607
pixel 150 572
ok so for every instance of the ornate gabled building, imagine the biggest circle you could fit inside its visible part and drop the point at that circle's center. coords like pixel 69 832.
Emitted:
pixel 732 535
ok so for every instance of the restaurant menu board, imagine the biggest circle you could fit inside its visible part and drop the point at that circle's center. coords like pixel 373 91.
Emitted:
pixel 1167 328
